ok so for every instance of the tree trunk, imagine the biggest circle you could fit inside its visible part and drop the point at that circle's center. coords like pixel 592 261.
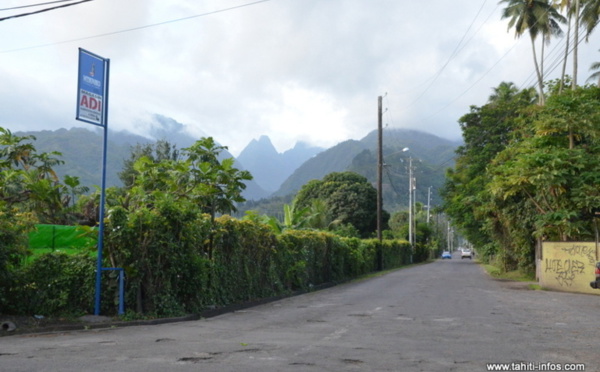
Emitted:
pixel 571 139
pixel 568 44
pixel 576 41
pixel 543 51
pixel 540 78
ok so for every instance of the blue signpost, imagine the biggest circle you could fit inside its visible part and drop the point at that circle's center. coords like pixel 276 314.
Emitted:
pixel 92 108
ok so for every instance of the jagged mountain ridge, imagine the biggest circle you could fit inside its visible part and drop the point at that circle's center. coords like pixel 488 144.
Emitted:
pixel 269 167
pixel 431 156
pixel 81 150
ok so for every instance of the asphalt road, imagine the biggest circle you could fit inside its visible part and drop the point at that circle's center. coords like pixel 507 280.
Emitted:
pixel 444 316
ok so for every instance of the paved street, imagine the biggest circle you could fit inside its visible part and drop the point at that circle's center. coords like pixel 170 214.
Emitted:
pixel 444 316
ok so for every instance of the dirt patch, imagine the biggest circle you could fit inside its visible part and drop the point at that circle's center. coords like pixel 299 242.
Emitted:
pixel 28 324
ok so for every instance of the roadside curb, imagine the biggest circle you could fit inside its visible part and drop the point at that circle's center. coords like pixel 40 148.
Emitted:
pixel 93 323
pixel 90 324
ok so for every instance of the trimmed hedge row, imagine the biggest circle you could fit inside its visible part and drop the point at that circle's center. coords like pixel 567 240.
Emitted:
pixel 188 267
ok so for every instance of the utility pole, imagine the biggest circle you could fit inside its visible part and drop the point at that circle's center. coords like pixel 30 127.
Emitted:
pixel 449 239
pixel 428 203
pixel 575 46
pixel 379 178
pixel 379 167
pixel 410 202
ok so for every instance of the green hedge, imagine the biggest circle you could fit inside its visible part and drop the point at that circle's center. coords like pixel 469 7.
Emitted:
pixel 177 262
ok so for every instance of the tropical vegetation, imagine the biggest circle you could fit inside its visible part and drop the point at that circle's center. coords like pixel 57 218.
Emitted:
pixel 169 229
pixel 529 172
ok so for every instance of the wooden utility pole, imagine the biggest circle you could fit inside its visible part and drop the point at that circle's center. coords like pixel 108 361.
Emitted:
pixel 410 201
pixel 379 167
pixel 428 203
pixel 379 180
pixel 575 45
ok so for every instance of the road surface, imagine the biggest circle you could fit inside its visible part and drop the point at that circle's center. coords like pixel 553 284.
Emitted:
pixel 444 316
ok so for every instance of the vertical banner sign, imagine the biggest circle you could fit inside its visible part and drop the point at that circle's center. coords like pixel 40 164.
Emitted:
pixel 92 107
pixel 92 88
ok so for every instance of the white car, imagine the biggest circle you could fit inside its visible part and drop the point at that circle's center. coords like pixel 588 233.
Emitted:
pixel 466 253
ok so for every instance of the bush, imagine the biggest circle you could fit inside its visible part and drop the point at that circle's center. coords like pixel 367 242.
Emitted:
pixel 175 263
pixel 13 250
pixel 55 283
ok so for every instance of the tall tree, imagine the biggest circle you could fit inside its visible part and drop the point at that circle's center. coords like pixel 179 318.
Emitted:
pixel 349 197
pixel 576 43
pixel 537 17
pixel 555 167
pixel 504 92
pixel 590 16
pixel 565 5
pixel 29 183
pixel 487 130
pixel 156 152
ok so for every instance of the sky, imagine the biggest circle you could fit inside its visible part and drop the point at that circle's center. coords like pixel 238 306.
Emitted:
pixel 295 70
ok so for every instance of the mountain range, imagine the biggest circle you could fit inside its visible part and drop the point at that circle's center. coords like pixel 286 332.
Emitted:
pixel 270 168
pixel 275 174
pixel 428 154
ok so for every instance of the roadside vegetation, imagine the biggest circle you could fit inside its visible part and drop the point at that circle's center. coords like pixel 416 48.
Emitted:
pixel 169 228
pixel 529 168
pixel 528 171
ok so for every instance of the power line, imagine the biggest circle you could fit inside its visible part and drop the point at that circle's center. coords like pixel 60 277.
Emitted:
pixel 34 5
pixel 136 28
pixel 558 59
pixel 43 10
pixel 452 55
pixel 486 73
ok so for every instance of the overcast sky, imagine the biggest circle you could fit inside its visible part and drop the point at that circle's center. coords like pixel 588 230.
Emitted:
pixel 295 70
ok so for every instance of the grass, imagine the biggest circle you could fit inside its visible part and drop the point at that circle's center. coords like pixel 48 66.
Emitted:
pixel 515 275
pixel 535 287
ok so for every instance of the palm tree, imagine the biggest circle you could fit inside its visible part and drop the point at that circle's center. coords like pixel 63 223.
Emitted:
pixel 504 92
pixel 565 5
pixel 590 14
pixel 587 15
pixel 576 40
pixel 596 75
pixel 538 17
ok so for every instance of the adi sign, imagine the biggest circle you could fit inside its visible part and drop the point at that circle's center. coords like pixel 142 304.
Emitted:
pixel 92 88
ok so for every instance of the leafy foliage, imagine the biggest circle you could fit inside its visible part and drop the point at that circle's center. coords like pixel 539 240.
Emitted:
pixel 178 254
pixel 349 197
pixel 13 249
pixel 531 173
pixel 29 183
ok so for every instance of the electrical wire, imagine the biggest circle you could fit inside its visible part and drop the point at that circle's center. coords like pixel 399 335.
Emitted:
pixel 135 28
pixel 531 77
pixel 34 5
pixel 557 61
pixel 451 57
pixel 43 10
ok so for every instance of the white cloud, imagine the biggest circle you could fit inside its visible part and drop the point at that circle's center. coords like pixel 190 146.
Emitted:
pixel 306 115
pixel 292 69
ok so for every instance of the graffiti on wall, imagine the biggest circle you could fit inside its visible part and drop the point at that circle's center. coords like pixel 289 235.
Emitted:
pixel 565 270
pixel 568 265
pixel 581 250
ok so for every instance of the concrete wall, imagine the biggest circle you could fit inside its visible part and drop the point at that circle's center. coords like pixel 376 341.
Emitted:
pixel 568 266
